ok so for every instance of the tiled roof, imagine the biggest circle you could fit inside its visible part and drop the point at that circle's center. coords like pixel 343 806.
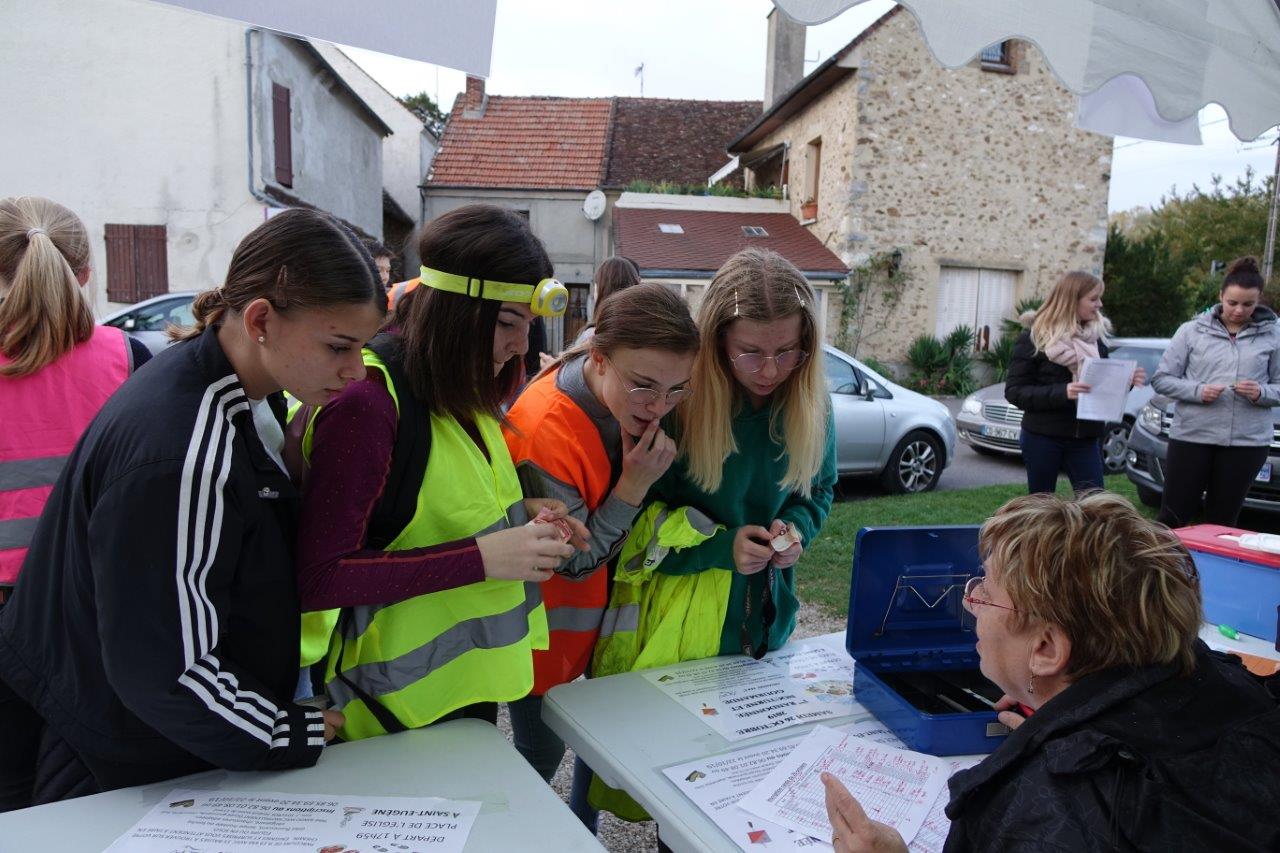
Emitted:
pixel 681 141
pixel 528 143
pixel 711 237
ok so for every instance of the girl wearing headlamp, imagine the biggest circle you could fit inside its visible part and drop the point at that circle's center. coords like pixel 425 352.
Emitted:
pixel 414 522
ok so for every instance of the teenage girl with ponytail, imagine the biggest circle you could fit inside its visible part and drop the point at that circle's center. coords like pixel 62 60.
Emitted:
pixel 56 367
pixel 1223 368
pixel 154 630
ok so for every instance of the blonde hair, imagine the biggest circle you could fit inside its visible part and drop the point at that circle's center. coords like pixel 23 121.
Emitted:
pixel 1122 588
pixel 1058 319
pixel 43 247
pixel 760 286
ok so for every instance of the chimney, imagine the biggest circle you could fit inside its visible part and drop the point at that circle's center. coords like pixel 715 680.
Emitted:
pixel 784 56
pixel 474 100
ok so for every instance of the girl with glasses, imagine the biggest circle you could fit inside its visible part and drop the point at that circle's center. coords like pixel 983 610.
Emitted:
pixel 757 447
pixel 588 432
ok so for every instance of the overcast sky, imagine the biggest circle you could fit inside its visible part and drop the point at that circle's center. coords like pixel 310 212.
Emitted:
pixel 714 49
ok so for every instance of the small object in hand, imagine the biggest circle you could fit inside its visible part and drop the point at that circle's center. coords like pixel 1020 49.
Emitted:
pixel 784 540
pixel 546 516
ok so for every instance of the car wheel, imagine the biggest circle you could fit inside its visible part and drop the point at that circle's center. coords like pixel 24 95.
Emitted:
pixel 1115 447
pixel 914 466
pixel 1149 497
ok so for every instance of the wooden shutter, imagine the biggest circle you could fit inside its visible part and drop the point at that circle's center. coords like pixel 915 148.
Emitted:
pixel 137 262
pixel 151 260
pixel 281 132
pixel 121 279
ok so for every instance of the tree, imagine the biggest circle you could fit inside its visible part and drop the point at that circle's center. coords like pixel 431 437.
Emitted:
pixel 427 110
pixel 1162 268
pixel 1146 291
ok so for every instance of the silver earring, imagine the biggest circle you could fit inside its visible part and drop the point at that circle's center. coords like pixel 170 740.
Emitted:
pixel 1031 683
pixel 262 339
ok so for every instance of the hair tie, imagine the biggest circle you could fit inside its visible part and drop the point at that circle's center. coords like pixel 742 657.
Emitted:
pixel 31 232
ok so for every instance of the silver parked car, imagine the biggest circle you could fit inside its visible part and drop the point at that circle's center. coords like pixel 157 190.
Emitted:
pixel 991 424
pixel 882 429
pixel 147 320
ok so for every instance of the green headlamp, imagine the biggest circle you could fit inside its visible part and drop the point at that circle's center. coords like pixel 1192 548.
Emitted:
pixel 547 298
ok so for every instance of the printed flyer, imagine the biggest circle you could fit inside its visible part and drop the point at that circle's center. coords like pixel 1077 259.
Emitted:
pixel 740 698
pixel 191 821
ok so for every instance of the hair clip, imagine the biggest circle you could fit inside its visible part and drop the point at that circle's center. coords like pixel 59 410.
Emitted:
pixel 735 302
pixel 799 298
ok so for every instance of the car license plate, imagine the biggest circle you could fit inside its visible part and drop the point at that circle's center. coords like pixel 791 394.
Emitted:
pixel 1264 476
pixel 1005 432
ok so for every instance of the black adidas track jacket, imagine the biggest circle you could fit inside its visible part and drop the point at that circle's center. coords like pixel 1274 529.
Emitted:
pixel 155 624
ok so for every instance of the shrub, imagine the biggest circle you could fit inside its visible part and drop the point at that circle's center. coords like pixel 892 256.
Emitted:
pixel 942 366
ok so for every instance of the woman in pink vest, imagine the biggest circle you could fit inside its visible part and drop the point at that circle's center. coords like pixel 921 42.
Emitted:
pixel 56 367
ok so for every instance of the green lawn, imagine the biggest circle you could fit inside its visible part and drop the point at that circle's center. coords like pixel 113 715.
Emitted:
pixel 823 572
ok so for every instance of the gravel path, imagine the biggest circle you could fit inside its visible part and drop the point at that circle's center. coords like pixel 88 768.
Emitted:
pixel 618 836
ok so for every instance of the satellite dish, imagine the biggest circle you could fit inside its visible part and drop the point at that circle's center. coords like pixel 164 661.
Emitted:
pixel 593 205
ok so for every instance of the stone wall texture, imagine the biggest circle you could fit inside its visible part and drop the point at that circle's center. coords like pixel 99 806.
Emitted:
pixel 964 167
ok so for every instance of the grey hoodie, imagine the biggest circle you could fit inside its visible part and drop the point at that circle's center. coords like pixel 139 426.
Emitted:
pixel 1203 353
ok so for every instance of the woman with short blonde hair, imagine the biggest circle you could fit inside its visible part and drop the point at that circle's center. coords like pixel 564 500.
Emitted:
pixel 1087 618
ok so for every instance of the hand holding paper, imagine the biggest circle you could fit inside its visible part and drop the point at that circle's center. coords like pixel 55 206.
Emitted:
pixel 1108 382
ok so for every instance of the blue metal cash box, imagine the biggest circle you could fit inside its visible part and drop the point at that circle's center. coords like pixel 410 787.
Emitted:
pixel 913 641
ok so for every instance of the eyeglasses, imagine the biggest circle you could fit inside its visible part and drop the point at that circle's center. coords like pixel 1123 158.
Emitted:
pixel 751 362
pixel 647 396
pixel 974 585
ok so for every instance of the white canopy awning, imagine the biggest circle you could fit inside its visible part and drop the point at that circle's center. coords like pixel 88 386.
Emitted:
pixel 1142 68
pixel 444 32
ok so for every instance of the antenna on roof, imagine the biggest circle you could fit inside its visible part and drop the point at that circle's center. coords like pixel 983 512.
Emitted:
pixel 640 73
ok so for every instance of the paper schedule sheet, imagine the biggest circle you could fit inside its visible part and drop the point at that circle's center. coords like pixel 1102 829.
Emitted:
pixel 894 786
pixel 1108 380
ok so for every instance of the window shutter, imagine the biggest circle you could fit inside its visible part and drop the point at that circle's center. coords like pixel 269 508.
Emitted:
pixel 281 132
pixel 137 262
pixel 151 260
pixel 121 278
pixel 957 299
pixel 995 303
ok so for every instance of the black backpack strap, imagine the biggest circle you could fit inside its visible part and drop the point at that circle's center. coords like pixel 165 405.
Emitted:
pixel 399 501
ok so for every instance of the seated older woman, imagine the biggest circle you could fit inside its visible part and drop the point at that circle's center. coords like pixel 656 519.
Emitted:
pixel 1141 737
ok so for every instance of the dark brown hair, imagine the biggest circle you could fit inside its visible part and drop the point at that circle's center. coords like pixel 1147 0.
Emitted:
pixel 1243 272
pixel 615 274
pixel 43 247
pixel 297 259
pixel 448 337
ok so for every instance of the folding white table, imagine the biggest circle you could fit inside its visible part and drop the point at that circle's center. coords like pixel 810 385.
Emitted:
pixel 461 760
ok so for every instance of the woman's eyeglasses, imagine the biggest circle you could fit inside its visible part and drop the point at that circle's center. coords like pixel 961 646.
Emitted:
pixel 973 596
pixel 647 396
pixel 752 362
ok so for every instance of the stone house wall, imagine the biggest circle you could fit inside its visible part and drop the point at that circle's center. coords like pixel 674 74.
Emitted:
pixel 954 168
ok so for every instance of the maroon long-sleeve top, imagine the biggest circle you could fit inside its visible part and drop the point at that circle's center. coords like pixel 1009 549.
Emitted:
pixel 351 449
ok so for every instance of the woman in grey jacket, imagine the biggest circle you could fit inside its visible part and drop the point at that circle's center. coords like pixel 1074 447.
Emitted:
pixel 1223 369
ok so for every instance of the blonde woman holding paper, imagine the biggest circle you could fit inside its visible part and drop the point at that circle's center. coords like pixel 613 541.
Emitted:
pixel 1044 381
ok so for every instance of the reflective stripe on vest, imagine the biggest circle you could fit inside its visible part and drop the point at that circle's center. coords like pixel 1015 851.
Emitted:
pixel 429 655
pixel 54 406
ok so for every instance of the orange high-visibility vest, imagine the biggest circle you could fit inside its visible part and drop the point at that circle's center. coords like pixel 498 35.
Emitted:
pixel 549 430
pixel 44 415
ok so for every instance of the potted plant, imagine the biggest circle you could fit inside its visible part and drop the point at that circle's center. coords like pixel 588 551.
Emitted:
pixel 809 209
